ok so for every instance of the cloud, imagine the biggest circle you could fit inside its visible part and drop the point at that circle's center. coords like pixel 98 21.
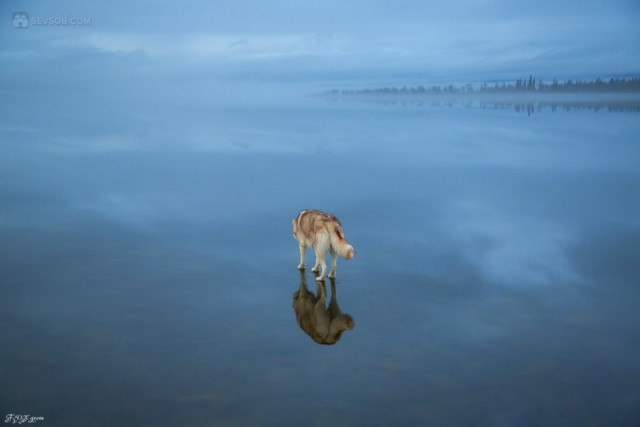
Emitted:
pixel 215 47
pixel 282 41
pixel 514 250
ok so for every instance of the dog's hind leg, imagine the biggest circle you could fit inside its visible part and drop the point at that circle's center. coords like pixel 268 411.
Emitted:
pixel 334 259
pixel 320 261
pixel 303 248
pixel 316 266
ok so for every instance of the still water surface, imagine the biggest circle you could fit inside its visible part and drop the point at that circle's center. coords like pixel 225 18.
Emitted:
pixel 148 270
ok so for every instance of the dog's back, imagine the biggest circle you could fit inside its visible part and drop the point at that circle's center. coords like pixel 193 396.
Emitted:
pixel 321 231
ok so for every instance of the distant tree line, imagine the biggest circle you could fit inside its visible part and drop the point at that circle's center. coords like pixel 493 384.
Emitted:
pixel 531 84
pixel 598 85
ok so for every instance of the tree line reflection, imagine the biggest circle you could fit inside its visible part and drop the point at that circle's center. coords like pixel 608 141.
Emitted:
pixel 526 106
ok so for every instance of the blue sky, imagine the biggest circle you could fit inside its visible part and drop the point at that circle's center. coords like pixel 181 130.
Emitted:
pixel 324 43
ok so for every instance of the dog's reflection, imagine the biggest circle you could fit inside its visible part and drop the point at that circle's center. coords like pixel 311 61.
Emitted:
pixel 324 325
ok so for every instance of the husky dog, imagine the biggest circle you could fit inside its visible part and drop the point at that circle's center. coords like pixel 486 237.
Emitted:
pixel 323 232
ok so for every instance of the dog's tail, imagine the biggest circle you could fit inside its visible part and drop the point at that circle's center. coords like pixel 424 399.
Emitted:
pixel 338 242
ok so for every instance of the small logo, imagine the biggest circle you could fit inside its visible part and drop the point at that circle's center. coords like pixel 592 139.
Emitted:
pixel 21 419
pixel 20 20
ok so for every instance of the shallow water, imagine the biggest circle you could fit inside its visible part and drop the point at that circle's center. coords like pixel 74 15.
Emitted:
pixel 148 269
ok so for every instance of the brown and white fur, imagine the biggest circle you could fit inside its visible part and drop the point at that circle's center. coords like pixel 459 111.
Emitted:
pixel 323 232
